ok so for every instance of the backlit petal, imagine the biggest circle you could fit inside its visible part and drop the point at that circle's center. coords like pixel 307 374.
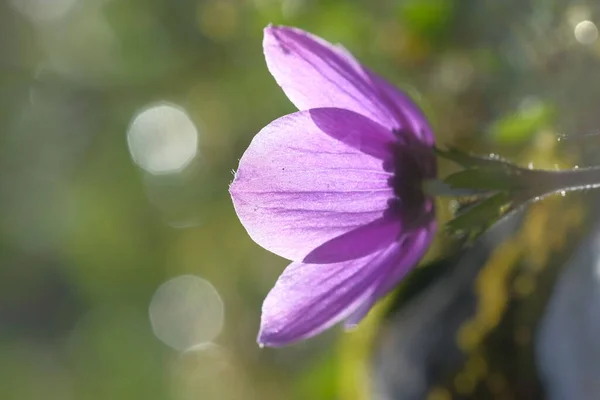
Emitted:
pixel 410 117
pixel 413 246
pixel 314 73
pixel 313 176
pixel 309 298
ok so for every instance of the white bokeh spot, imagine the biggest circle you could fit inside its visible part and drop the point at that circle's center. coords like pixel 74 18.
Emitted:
pixel 586 32
pixel 186 312
pixel 162 139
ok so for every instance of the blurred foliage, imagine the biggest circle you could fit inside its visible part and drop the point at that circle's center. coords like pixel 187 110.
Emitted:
pixel 87 237
pixel 520 126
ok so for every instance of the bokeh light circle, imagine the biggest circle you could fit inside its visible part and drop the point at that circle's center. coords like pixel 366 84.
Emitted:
pixel 162 139
pixel 586 32
pixel 185 312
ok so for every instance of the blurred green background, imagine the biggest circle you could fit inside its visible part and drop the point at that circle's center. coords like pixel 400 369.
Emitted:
pixel 125 273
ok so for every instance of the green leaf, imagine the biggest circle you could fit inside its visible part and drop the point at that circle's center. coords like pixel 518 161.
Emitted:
pixel 483 173
pixel 468 160
pixel 481 214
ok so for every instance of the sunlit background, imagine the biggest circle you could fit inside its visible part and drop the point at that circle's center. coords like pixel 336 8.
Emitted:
pixel 125 273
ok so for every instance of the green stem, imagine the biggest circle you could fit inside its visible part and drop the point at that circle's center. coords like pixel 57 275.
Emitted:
pixel 544 182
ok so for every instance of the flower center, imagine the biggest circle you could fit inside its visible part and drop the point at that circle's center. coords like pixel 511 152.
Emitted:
pixel 413 162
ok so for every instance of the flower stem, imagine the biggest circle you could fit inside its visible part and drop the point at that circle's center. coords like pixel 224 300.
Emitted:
pixel 547 182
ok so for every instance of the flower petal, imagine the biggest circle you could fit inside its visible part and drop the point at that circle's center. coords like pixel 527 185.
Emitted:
pixel 407 113
pixel 310 177
pixel 411 118
pixel 357 243
pixel 413 245
pixel 309 298
pixel 313 73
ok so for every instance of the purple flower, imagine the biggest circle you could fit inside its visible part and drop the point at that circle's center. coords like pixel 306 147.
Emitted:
pixel 334 187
